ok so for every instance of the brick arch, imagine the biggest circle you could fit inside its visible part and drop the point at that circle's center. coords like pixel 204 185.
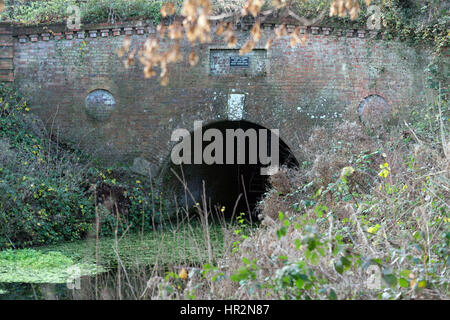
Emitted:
pixel 293 131
pixel 223 182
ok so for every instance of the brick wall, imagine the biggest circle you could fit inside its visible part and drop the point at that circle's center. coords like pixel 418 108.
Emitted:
pixel 6 53
pixel 322 81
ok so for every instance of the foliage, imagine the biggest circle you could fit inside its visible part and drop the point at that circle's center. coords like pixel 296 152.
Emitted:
pixel 126 202
pixel 92 11
pixel 373 224
pixel 43 192
pixel 120 10
pixel 50 193
pixel 420 24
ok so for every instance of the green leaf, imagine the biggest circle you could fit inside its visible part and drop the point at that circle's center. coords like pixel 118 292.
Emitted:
pixel 299 283
pixel 417 235
pixel 339 267
pixel 346 262
pixel 377 261
pixel 390 279
pixel 319 210
pixel 297 243
pixel 405 273
pixel 332 295
pixel 403 283
pixel 422 284
pixel 321 251
pixel 281 232
pixel 315 258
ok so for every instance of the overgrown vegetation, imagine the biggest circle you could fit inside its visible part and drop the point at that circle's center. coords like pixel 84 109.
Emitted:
pixel 92 11
pixel 50 194
pixel 43 190
pixel 364 218
pixel 162 250
pixel 176 245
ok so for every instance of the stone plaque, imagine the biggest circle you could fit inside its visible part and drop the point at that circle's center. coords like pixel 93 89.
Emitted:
pixel 100 104
pixel 228 62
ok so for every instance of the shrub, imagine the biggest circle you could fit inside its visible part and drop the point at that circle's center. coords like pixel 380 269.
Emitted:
pixel 92 11
pixel 43 189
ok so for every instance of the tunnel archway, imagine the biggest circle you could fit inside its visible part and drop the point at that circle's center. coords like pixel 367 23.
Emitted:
pixel 227 185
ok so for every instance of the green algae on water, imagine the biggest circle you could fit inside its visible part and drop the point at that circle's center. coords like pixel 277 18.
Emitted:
pixel 31 266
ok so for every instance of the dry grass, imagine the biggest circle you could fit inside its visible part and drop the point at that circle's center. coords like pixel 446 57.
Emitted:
pixel 401 228
pixel 361 202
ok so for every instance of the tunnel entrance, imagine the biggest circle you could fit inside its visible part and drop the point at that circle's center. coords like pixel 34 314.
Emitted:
pixel 237 185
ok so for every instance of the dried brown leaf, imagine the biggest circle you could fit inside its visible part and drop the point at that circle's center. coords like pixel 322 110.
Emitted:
pixel 256 32
pixel 220 28
pixel 175 31
pixel 232 41
pixel 247 47
pixel 269 43
pixel 193 58
pixel 280 31
pixel 168 9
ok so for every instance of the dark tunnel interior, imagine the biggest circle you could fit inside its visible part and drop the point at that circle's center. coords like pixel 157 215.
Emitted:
pixel 235 185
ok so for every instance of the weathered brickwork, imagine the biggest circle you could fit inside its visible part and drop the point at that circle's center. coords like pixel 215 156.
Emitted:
pixel 321 81
pixel 6 53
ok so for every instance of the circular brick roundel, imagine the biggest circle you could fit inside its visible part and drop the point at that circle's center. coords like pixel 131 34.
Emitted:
pixel 373 111
pixel 100 104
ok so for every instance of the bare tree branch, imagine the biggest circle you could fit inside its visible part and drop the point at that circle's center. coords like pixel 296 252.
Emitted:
pixel 308 22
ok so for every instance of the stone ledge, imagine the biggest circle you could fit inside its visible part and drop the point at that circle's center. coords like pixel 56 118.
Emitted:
pixel 35 34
